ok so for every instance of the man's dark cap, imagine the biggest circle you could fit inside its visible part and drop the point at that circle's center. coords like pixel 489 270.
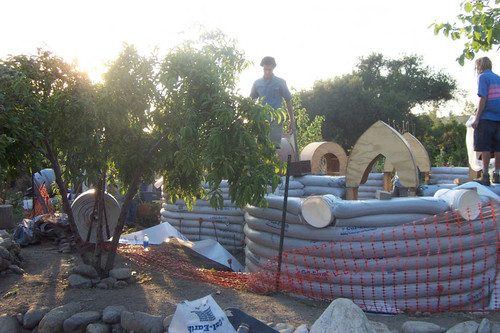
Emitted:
pixel 268 61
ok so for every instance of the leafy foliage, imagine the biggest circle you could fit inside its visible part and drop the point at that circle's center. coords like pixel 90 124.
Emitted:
pixel 444 141
pixel 42 97
pixel 379 89
pixel 479 25
pixel 307 131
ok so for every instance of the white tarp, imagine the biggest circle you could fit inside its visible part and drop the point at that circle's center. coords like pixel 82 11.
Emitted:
pixel 208 248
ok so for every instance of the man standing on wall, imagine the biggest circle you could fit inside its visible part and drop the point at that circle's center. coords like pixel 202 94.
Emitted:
pixel 487 123
pixel 273 90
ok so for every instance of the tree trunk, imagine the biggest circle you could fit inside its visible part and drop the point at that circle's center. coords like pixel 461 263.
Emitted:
pixel 80 246
pixel 132 190
pixel 99 197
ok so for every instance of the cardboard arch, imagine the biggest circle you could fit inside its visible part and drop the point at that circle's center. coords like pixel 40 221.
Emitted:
pixel 419 151
pixel 334 154
pixel 380 140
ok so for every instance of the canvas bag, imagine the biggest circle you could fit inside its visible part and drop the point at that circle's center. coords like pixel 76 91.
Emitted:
pixel 201 315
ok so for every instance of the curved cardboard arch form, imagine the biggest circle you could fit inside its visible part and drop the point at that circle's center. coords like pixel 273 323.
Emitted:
pixel 381 139
pixel 419 151
pixel 335 155
pixel 285 150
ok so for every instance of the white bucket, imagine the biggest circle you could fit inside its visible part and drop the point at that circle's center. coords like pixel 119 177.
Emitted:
pixel 317 211
pixel 467 202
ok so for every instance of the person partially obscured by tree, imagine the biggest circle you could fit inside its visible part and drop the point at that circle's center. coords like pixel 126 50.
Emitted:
pixel 487 122
pixel 273 90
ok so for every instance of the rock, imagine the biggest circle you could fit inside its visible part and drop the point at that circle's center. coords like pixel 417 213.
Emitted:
pixel 97 328
pixel 342 315
pixel 141 322
pixel 6 242
pixel 167 321
pixel 53 321
pixel 420 327
pixel 120 273
pixel 484 326
pixel 464 327
pixel 78 322
pixel 109 282
pixel 84 270
pixel 112 314
pixel 33 316
pixel 4 234
pixel 4 253
pixel 116 328
pixel 4 263
pixel 380 327
pixel 301 329
pixel 9 324
pixel 16 269
pixel 284 328
pixel 19 318
pixel 102 285
pixel 78 281
pixel 120 284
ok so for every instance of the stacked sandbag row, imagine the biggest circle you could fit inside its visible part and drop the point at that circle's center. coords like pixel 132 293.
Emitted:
pixel 295 188
pixel 428 265
pixel 322 211
pixel 322 184
pixel 368 190
pixel 447 175
pixel 204 222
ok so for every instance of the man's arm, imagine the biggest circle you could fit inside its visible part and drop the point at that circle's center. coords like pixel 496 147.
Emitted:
pixel 289 108
pixel 480 108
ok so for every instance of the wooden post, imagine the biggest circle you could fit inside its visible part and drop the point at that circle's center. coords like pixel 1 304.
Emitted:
pixel 352 193
pixel 387 181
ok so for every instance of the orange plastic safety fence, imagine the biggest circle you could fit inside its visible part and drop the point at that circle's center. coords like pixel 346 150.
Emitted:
pixel 442 263
pixel 164 259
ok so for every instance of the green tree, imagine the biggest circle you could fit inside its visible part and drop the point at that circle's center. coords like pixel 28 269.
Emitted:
pixel 378 89
pixel 478 24
pixel 444 141
pixel 307 131
pixel 51 103
pixel 179 117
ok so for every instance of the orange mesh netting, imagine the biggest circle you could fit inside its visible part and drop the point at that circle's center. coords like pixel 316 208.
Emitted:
pixel 163 258
pixel 442 263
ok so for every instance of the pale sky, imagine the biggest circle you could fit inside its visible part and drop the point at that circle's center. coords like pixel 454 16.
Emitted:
pixel 311 40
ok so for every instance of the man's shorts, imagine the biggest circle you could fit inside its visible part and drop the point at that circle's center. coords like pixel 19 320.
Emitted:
pixel 276 133
pixel 487 136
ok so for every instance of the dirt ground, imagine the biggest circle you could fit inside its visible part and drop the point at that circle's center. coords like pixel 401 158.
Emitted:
pixel 45 284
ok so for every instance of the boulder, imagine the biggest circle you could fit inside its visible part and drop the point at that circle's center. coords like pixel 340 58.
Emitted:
pixel 464 327
pixel 9 324
pixel 53 321
pixel 141 322
pixel 484 326
pixel 112 314
pixel 84 270
pixel 33 316
pixel 421 327
pixel 120 273
pixel 98 328
pixel 78 322
pixel 342 315
pixel 78 281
